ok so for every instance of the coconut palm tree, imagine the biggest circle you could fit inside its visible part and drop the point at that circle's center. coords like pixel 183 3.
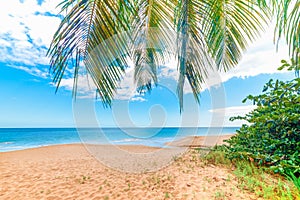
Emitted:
pixel 106 34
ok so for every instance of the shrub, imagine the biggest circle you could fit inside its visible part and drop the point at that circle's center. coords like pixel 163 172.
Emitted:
pixel 272 136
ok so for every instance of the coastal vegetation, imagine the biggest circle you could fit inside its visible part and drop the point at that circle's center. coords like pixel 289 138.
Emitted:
pixel 272 135
pixel 270 141
pixel 254 179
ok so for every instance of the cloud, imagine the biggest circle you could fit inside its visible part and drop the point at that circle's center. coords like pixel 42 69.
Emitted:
pixel 33 71
pixel 26 30
pixel 224 114
pixel 127 87
pixel 141 99
pixel 234 110
pixel 86 87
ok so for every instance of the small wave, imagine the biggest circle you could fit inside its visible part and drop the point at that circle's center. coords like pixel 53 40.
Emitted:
pixel 127 140
pixel 6 142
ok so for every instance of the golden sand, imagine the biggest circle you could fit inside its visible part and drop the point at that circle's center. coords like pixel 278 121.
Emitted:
pixel 71 172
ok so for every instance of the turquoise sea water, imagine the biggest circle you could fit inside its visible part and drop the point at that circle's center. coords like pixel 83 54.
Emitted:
pixel 23 138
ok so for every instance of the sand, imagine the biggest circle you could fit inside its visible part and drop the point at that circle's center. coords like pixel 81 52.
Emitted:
pixel 72 172
pixel 200 141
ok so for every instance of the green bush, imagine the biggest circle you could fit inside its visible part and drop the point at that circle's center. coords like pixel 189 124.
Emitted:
pixel 272 136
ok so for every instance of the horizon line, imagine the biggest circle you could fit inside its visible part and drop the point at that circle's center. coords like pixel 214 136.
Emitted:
pixel 121 127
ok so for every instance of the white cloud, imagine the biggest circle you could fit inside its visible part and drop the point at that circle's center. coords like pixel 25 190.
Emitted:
pixel 42 28
pixel 86 87
pixel 127 87
pixel 138 99
pixel 33 71
pixel 234 110
pixel 169 70
pixel 4 43
pixel 224 114
pixel 24 34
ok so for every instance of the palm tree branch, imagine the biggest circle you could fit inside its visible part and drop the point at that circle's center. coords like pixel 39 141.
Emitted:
pixel 89 24
pixel 193 60
pixel 229 26
pixel 149 41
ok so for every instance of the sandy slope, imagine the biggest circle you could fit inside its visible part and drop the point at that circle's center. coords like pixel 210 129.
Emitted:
pixel 200 141
pixel 71 172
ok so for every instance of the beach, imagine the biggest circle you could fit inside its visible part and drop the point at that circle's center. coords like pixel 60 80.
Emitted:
pixel 71 172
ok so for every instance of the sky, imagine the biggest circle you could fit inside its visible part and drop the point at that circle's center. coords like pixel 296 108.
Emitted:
pixel 28 98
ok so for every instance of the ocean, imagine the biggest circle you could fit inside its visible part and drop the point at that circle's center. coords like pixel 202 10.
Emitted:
pixel 12 139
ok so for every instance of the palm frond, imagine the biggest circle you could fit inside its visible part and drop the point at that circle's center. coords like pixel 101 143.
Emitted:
pixel 288 25
pixel 229 26
pixel 150 39
pixel 287 16
pixel 102 34
pixel 193 59
pixel 293 33
pixel 84 30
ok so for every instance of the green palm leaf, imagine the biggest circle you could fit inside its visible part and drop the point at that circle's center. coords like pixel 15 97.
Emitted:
pixel 287 15
pixel 193 59
pixel 229 27
pixel 288 25
pixel 150 40
pixel 218 28
pixel 103 34
pixel 83 35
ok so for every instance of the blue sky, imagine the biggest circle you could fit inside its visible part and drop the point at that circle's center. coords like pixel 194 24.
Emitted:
pixel 28 99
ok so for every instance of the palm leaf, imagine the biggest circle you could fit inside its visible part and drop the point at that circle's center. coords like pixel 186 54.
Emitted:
pixel 288 25
pixel 229 27
pixel 193 59
pixel 83 34
pixel 287 15
pixel 217 28
pixel 104 33
pixel 150 40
